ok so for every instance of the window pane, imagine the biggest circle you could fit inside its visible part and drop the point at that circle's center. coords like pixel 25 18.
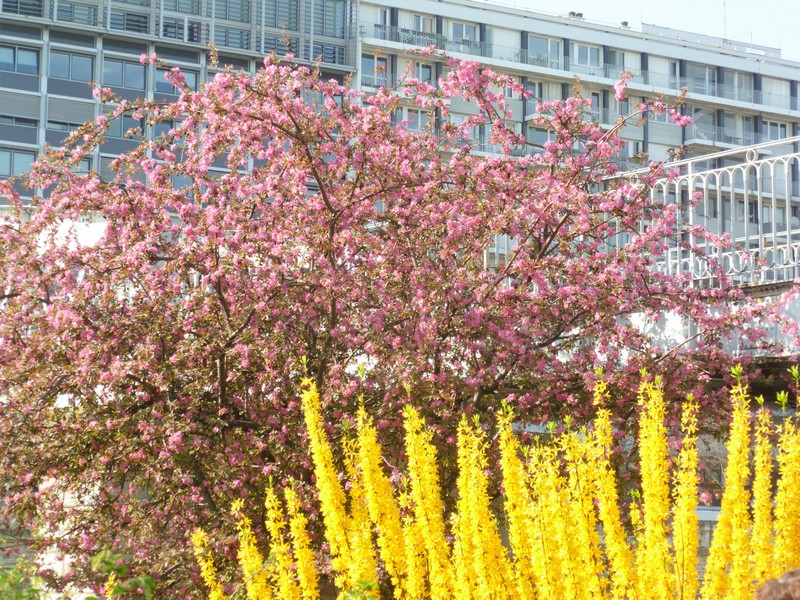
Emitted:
pixel 5 163
pixel 134 76
pixel 112 72
pixel 6 58
pixel 82 68
pixel 426 73
pixel 59 65
pixel 537 46
pixel 27 61
pixel 23 162
pixel 162 85
pixel 191 79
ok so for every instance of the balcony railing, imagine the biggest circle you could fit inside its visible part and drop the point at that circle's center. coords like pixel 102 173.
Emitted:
pixel 24 8
pixel 754 200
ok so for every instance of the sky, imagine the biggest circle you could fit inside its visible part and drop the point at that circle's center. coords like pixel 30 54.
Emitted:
pixel 774 23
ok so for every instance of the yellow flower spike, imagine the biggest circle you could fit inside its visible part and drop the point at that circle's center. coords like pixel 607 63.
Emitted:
pixel 307 575
pixel 206 561
pixel 762 497
pixel 584 539
pixel 282 573
pixel 653 561
pixel 483 568
pixel 728 568
pixel 363 568
pixel 618 551
pixel 685 533
pixel 250 558
pixel 787 496
pixel 416 578
pixel 331 494
pixel 110 587
pixel 426 498
pixel 517 499
pixel 555 576
pixel 382 507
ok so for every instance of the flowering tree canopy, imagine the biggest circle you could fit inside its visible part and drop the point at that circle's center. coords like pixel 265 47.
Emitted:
pixel 155 322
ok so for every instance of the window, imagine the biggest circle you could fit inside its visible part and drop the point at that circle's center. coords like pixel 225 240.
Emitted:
pixel 423 24
pixel 62 126
pixel 232 10
pixel 71 66
pixel 585 58
pixel 544 52
pixel 232 37
pixel 374 70
pixel 535 90
pixel 126 127
pixel 701 79
pixel 183 6
pixel 472 134
pixel 123 74
pixel 28 8
pixel 509 92
pixel 616 62
pixel 126 21
pixel 15 162
pixel 19 60
pixel 596 110
pixel 465 32
pixel 84 166
pixel 165 87
pixel 281 13
pixel 771 131
pixel 423 72
pixel 162 129
pixel 704 124
pixel 20 121
pixel 77 13
pixel 538 137
pixel 329 53
pixel 737 85
pixel 416 119
pixel 279 44
pixel 329 17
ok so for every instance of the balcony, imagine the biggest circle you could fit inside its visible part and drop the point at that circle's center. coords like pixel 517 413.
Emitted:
pixel 442 42
pixel 714 136
pixel 754 200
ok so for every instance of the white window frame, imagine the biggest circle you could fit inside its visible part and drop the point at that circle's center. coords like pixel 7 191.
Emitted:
pixel 378 73
pixel 552 59
pixel 577 49
pixel 465 31
pixel 423 24
pixel 13 169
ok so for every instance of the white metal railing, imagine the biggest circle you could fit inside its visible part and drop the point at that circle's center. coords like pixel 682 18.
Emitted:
pixel 750 195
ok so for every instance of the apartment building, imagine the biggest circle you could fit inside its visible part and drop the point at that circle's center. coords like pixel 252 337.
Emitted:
pixel 738 94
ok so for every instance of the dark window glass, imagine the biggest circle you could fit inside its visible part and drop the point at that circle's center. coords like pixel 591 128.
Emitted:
pixel 134 76
pixel 82 68
pixel 27 61
pixel 112 72
pixel 59 65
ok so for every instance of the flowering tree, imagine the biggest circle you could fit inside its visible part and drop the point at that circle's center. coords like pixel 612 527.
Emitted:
pixel 148 364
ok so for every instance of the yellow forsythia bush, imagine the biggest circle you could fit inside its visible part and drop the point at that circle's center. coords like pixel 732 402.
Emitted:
pixel 565 537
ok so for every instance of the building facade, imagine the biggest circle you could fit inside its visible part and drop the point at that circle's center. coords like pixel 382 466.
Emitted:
pixel 737 94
